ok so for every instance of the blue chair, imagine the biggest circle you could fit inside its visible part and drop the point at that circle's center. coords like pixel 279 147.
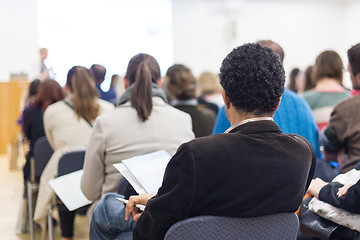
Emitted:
pixel 69 162
pixel 42 154
pixel 357 166
pixel 272 227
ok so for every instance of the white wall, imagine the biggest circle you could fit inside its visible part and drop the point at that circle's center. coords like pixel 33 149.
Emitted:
pixel 351 24
pixel 205 31
pixel 106 32
pixel 18 37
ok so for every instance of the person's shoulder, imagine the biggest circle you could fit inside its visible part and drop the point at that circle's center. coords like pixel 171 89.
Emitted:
pixel 310 94
pixel 30 108
pixel 207 143
pixel 299 140
pixel 55 107
pixel 291 98
pixel 206 111
pixel 349 104
pixel 288 94
pixel 31 111
pixel 176 113
pixel 105 105
pixel 112 115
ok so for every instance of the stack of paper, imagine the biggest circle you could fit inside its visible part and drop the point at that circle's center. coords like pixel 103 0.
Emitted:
pixel 146 172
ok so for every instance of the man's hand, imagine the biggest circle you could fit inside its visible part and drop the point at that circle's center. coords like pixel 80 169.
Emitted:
pixel 132 209
pixel 343 190
pixel 315 186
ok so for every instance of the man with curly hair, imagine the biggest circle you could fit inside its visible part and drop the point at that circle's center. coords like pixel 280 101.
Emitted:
pixel 293 115
pixel 251 170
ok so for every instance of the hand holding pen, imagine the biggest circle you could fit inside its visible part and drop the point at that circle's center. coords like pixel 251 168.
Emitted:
pixel 131 207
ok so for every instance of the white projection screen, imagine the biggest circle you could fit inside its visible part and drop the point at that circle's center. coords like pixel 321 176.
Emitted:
pixel 107 32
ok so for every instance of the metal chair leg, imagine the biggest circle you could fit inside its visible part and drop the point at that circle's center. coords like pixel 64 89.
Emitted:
pixel 30 210
pixel 50 225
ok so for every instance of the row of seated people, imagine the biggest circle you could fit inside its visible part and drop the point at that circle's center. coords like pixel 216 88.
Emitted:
pixel 142 123
pixel 154 222
pixel 342 135
pixel 232 174
pixel 68 125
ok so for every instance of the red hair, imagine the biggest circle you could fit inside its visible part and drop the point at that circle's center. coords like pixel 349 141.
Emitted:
pixel 49 92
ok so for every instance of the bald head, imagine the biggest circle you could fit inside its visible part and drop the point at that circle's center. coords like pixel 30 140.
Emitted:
pixel 274 46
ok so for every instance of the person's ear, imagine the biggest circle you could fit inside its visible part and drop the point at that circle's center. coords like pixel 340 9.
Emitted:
pixel 159 82
pixel 226 99
pixel 126 83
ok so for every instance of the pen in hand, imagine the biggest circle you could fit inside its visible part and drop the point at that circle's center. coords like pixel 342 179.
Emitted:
pixel 141 207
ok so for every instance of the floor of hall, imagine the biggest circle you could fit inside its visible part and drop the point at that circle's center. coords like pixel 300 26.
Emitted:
pixel 11 189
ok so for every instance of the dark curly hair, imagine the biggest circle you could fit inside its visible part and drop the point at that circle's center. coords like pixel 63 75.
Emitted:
pixel 253 78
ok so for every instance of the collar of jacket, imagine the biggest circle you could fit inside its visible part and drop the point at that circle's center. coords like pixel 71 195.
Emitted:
pixel 156 92
pixel 256 127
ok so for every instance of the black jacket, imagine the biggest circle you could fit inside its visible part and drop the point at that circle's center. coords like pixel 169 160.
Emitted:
pixel 254 170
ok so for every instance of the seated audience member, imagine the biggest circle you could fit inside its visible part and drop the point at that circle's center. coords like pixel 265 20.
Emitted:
pixel 346 197
pixel 113 88
pixel 68 125
pixel 294 76
pixel 293 115
pixel 309 82
pixel 235 174
pixel 98 71
pixel 343 131
pixel 342 196
pixel 210 91
pixel 142 123
pixel 181 87
pixel 49 92
pixel 328 75
pixel 29 100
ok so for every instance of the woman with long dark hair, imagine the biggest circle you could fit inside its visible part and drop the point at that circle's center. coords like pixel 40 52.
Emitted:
pixel 68 125
pixel 142 123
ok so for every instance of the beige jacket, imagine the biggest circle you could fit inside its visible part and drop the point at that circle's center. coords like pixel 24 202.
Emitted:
pixel 120 135
pixel 65 132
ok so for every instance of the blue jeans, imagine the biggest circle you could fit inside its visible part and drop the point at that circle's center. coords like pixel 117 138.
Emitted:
pixel 108 220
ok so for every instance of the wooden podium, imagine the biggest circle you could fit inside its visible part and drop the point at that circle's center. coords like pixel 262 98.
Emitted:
pixel 10 97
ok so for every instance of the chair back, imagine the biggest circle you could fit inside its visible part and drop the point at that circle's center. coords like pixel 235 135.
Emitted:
pixel 357 166
pixel 71 162
pixel 42 154
pixel 68 163
pixel 278 226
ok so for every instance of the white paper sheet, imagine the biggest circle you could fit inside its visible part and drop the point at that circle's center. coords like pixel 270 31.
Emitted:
pixel 131 179
pixel 147 169
pixel 67 188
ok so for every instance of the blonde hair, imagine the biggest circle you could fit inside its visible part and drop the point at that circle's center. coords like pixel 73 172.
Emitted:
pixel 84 96
pixel 209 83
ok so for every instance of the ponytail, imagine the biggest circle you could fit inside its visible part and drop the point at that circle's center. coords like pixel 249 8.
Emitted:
pixel 141 96
pixel 143 70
